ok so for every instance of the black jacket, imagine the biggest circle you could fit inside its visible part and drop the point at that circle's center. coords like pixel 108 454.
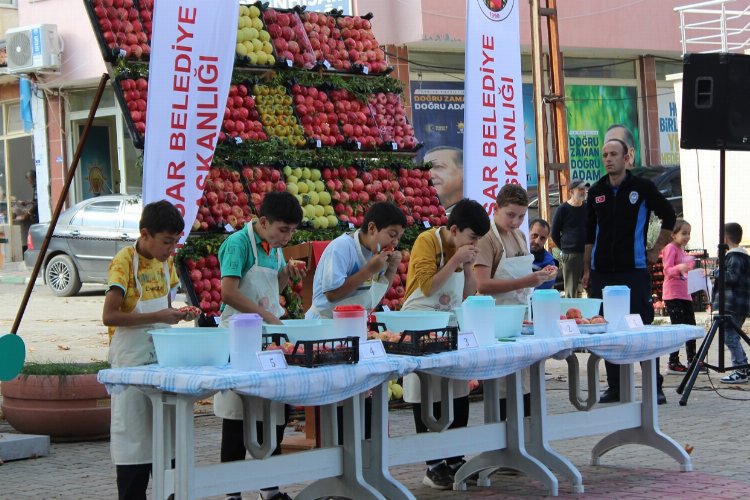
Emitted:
pixel 617 222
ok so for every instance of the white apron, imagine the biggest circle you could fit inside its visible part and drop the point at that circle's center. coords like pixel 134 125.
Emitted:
pixel 510 268
pixel 368 295
pixel 446 298
pixel 130 427
pixel 261 285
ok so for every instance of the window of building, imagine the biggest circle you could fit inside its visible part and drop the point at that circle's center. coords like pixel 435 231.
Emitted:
pixel 666 67
pixel 577 67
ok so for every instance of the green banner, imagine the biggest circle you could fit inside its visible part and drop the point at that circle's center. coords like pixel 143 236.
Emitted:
pixel 592 109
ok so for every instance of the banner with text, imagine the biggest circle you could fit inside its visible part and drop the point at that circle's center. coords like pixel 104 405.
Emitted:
pixel 669 140
pixel 493 116
pixel 592 109
pixel 192 55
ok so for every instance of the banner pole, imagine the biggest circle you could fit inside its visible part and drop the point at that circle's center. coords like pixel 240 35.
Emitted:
pixel 60 202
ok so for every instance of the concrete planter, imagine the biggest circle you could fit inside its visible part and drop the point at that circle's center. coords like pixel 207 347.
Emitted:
pixel 66 408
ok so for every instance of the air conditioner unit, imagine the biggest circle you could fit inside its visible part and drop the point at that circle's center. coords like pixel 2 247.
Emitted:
pixel 33 49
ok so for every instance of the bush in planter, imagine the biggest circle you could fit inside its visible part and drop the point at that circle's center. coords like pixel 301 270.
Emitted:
pixel 61 400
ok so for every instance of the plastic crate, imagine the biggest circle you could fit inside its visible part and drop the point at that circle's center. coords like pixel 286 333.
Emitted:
pixel 420 342
pixel 312 353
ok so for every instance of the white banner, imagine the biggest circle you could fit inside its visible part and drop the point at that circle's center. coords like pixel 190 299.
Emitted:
pixel 494 148
pixel 669 141
pixel 192 55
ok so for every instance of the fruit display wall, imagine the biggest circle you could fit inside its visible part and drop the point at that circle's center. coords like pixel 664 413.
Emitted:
pixel 310 111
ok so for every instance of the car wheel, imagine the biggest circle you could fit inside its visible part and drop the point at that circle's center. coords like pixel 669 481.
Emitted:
pixel 62 276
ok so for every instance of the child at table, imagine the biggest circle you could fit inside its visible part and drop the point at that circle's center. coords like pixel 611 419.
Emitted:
pixel 253 271
pixel 358 268
pixel 138 298
pixel 503 267
pixel 440 276
pixel 675 290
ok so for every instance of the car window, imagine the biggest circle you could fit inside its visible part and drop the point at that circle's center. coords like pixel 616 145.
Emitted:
pixel 132 216
pixel 98 214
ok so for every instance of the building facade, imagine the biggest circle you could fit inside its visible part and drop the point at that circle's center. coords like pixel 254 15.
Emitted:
pixel 611 62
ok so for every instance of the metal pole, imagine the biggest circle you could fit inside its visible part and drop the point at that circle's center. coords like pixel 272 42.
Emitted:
pixel 541 137
pixel 60 203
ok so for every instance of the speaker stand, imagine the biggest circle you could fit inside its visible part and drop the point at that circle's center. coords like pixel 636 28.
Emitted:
pixel 721 320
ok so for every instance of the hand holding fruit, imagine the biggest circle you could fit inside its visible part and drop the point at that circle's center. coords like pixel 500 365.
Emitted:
pixel 394 258
pixel 466 254
pixel 377 262
pixel 170 316
pixel 297 269
pixel 190 312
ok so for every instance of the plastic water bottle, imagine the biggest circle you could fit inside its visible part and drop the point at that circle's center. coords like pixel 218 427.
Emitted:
pixel 545 310
pixel 616 306
pixel 479 317
pixel 245 340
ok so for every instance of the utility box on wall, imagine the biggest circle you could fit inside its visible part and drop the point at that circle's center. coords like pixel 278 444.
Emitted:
pixel 34 48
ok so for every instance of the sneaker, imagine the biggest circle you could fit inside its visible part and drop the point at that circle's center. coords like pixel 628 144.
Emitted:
pixel 736 377
pixel 278 496
pixel 677 368
pixel 439 477
pixel 453 468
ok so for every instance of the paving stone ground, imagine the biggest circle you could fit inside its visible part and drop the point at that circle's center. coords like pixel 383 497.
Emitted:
pixel 714 422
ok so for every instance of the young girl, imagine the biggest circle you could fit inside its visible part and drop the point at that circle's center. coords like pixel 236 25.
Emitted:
pixel 675 291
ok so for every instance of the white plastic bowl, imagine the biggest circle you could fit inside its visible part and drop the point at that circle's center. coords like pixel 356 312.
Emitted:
pixel 303 329
pixel 588 307
pixel 399 321
pixel 191 346
pixel 509 320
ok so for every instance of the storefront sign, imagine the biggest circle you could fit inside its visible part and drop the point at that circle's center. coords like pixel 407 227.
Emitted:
pixel 189 75
pixel 494 148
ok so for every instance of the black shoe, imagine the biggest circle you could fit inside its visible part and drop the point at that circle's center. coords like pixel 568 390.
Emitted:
pixel 661 399
pixel 439 478
pixel 453 468
pixel 609 396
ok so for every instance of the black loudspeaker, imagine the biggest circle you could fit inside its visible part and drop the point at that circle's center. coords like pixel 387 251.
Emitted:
pixel 716 102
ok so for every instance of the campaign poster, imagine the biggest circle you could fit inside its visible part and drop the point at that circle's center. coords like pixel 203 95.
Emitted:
pixel 438 114
pixel 96 162
pixel 592 109
pixel 529 132
pixel 669 139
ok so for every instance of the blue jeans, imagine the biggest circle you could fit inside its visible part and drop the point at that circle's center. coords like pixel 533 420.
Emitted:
pixel 732 341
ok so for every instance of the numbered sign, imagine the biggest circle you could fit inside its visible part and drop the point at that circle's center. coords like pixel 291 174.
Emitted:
pixel 568 327
pixel 467 340
pixel 633 321
pixel 272 360
pixel 371 349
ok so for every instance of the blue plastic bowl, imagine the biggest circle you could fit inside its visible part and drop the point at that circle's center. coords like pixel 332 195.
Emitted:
pixel 303 329
pixel 191 346
pixel 399 321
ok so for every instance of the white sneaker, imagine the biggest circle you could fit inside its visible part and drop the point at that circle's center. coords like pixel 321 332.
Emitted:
pixel 736 377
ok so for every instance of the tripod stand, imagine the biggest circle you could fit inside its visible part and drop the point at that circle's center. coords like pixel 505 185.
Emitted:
pixel 721 320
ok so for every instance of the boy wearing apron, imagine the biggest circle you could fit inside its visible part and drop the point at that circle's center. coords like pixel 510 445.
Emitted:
pixel 253 272
pixel 358 268
pixel 439 278
pixel 138 299
pixel 503 266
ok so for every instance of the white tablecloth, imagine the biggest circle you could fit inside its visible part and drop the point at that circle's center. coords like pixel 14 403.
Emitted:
pixel 329 384
pixel 504 358
pixel 294 385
